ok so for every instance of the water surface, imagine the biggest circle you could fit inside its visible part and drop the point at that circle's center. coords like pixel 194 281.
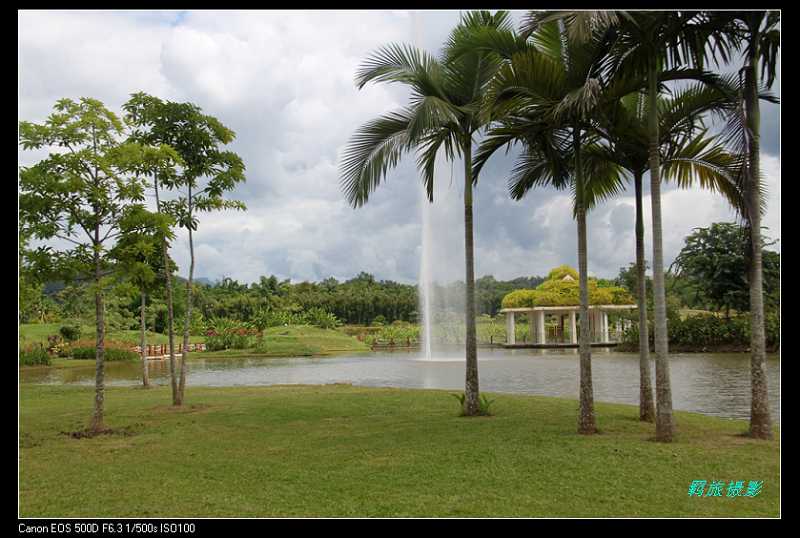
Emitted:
pixel 713 383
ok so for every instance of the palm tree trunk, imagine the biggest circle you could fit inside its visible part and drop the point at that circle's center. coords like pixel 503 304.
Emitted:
pixel 471 391
pixel 760 423
pixel 189 301
pixel 143 344
pixel 170 313
pixel 665 428
pixel 647 410
pixel 98 419
pixel 586 418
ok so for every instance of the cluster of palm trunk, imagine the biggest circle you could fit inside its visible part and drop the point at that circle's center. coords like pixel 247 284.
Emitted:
pixel 592 100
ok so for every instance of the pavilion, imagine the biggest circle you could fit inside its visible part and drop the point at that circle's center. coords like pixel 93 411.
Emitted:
pixel 602 334
pixel 564 333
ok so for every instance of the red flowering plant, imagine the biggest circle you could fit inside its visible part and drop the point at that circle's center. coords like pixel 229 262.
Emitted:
pixel 224 333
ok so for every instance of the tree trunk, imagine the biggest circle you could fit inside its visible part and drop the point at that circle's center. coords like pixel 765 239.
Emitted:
pixel 760 422
pixel 189 300
pixel 471 400
pixel 143 346
pixel 647 410
pixel 98 423
pixel 170 314
pixel 665 429
pixel 586 418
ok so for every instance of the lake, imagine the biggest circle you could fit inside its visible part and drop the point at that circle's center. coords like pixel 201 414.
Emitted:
pixel 715 384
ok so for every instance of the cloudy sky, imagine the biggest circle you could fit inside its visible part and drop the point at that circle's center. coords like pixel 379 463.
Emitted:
pixel 283 81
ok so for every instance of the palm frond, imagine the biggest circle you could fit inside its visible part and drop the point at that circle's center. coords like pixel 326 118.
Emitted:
pixel 399 63
pixel 428 149
pixel 374 149
pixel 703 161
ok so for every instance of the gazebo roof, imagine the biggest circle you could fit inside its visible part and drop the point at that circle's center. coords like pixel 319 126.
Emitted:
pixel 560 291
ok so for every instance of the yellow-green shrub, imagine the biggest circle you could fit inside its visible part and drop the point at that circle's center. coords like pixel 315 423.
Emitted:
pixel 519 299
pixel 559 292
pixel 560 272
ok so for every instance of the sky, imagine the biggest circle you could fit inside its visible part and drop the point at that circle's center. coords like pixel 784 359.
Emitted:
pixel 283 81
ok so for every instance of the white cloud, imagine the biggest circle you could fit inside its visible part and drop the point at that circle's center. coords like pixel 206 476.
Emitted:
pixel 283 81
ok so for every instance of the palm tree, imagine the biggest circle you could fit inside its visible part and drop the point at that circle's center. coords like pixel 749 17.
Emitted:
pixel 544 97
pixel 443 113
pixel 760 33
pixel 647 43
pixel 687 154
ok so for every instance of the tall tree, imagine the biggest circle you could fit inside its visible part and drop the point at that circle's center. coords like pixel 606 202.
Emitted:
pixel 689 156
pixel 759 31
pixel 715 261
pixel 649 43
pixel 545 97
pixel 82 195
pixel 144 113
pixel 443 113
pixel 197 137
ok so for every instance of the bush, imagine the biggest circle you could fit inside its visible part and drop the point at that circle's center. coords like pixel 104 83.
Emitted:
pixel 111 355
pixel 322 318
pixel 484 404
pixel 34 355
pixel 706 331
pixel 70 333
pixel 562 271
pixel 225 334
pixel 55 345
pixel 114 351
pixel 264 319
pixel 558 292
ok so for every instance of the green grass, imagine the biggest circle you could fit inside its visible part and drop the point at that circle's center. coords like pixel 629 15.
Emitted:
pixel 294 341
pixel 58 362
pixel 38 333
pixel 339 450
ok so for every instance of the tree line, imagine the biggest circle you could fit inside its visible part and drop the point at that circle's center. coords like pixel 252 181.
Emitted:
pixel 361 300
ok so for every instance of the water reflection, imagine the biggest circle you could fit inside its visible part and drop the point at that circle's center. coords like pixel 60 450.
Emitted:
pixel 714 384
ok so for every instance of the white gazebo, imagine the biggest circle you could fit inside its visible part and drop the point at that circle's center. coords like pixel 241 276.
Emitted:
pixel 598 323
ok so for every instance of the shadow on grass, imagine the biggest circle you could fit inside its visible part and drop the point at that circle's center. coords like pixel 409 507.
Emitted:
pixel 87 433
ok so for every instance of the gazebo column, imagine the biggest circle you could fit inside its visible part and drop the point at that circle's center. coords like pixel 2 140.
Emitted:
pixel 604 324
pixel 510 336
pixel 542 338
pixel 573 333
pixel 532 326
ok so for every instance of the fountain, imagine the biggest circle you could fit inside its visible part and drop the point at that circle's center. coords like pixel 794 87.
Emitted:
pixel 440 251
pixel 425 270
pixel 426 277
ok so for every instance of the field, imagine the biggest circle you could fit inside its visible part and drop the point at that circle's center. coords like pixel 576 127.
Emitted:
pixel 289 341
pixel 339 450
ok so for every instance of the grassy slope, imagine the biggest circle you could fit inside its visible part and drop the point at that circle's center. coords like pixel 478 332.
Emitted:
pixel 348 451
pixel 294 341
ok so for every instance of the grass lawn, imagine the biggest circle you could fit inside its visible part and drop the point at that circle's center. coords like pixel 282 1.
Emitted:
pixel 339 450
pixel 59 362
pixel 38 333
pixel 294 341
